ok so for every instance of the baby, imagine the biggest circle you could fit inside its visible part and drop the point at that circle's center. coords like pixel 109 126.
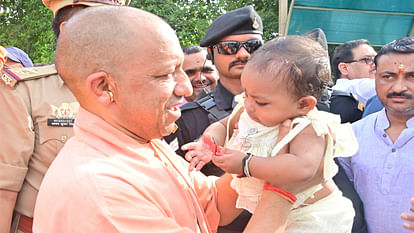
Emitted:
pixel 283 80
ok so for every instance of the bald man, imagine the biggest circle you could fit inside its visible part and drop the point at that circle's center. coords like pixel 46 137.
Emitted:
pixel 115 174
pixel 38 111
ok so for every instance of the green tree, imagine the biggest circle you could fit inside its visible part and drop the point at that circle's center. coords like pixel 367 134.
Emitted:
pixel 26 24
pixel 191 19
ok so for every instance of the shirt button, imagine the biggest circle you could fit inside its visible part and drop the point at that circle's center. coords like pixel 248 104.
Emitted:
pixel 389 166
pixel 384 135
pixel 394 150
pixel 63 138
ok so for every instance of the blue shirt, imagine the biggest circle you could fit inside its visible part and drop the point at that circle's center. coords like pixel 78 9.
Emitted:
pixel 382 172
pixel 373 105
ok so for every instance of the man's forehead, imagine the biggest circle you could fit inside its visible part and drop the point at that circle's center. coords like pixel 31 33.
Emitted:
pixel 394 60
pixel 195 58
pixel 202 53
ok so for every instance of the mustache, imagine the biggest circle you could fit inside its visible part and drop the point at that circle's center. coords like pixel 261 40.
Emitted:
pixel 238 61
pixel 402 94
pixel 202 83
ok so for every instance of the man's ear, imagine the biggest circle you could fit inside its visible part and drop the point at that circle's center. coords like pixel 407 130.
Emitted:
pixel 306 104
pixel 100 84
pixel 343 68
pixel 61 25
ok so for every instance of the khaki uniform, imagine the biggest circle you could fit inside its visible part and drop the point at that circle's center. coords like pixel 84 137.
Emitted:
pixel 37 117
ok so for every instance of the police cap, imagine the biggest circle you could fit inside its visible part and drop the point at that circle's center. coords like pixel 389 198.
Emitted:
pixel 18 55
pixel 240 21
pixel 56 5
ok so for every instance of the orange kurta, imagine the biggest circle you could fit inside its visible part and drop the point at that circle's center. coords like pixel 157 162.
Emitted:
pixel 105 181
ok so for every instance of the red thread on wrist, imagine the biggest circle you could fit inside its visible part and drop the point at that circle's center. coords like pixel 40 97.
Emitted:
pixel 283 193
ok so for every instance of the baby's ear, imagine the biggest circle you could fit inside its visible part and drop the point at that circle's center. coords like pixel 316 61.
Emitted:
pixel 306 104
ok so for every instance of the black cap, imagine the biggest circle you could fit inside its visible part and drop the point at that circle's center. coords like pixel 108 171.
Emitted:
pixel 244 20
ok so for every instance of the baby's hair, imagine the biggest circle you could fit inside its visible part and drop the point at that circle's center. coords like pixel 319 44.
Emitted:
pixel 301 61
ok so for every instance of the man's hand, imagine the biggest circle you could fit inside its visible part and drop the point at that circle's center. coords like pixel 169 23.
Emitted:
pixel 199 154
pixel 409 217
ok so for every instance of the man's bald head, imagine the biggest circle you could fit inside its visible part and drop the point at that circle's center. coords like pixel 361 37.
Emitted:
pixel 106 38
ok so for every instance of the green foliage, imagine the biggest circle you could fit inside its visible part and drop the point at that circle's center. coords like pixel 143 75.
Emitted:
pixel 191 18
pixel 26 24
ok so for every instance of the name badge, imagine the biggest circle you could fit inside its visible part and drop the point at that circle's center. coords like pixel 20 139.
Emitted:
pixel 60 122
pixel 65 117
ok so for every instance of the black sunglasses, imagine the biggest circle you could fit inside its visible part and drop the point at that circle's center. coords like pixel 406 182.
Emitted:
pixel 232 47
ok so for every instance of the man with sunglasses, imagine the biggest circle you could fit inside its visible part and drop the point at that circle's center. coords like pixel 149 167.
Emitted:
pixel 353 65
pixel 230 40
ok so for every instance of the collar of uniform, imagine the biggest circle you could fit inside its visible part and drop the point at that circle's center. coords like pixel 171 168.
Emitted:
pixel 223 97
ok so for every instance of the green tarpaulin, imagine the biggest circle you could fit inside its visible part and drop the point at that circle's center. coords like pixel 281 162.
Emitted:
pixel 379 21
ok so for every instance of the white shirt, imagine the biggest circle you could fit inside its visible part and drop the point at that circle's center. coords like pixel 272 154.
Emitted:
pixel 362 88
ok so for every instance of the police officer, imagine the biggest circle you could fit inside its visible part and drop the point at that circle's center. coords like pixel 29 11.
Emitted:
pixel 38 111
pixel 230 40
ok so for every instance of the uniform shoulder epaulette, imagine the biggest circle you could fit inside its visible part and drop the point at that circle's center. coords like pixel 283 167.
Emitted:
pixel 10 77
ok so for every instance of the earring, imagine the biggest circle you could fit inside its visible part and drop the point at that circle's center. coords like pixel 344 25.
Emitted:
pixel 111 96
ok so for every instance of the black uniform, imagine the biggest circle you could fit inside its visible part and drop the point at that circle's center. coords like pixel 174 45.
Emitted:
pixel 346 105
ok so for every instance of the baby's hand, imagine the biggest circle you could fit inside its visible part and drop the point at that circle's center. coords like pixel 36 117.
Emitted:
pixel 199 154
pixel 229 160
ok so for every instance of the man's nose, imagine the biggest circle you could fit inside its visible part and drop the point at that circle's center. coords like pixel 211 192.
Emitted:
pixel 400 85
pixel 183 85
pixel 242 53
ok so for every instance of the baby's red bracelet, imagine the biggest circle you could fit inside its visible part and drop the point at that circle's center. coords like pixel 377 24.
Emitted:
pixel 283 193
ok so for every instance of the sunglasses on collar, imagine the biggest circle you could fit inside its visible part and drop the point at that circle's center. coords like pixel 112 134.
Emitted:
pixel 232 47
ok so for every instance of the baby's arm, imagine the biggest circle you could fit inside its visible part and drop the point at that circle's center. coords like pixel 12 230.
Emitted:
pixel 305 158
pixel 218 131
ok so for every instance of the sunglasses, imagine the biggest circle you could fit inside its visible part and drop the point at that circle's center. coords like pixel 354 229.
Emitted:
pixel 232 47
pixel 366 60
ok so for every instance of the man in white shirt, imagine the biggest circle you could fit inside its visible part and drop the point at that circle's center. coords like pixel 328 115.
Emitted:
pixel 353 65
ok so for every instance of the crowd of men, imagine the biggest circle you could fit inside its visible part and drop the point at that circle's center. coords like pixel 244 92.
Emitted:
pixel 120 165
